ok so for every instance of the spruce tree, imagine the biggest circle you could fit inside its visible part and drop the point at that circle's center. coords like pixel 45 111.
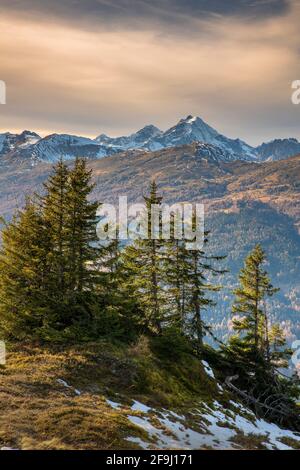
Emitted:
pixel 200 270
pixel 250 321
pixel 120 311
pixel 55 214
pixel 81 249
pixel 143 262
pixel 177 278
pixel 258 349
pixel 24 274
pixel 48 260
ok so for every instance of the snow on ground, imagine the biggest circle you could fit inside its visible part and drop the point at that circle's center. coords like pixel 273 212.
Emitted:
pixel 113 404
pixel 138 406
pixel 208 426
pixel 208 369
pixel 65 384
pixel 213 427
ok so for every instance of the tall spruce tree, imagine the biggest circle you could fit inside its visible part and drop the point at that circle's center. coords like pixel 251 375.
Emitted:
pixel 200 270
pixel 24 274
pixel 80 227
pixel 48 269
pixel 120 311
pixel 177 279
pixel 55 215
pixel 143 262
pixel 250 315
pixel 258 348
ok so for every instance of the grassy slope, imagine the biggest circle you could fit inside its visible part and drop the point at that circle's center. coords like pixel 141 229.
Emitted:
pixel 39 412
pixel 56 398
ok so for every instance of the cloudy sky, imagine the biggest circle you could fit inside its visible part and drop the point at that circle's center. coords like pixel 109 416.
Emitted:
pixel 93 66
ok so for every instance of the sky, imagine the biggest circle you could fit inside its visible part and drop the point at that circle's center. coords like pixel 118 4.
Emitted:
pixel 100 66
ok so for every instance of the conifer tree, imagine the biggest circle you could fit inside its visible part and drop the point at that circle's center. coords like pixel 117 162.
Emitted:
pixel 48 258
pixel 80 227
pixel 120 311
pixel 249 306
pixel 177 279
pixel 24 274
pixel 200 268
pixel 55 214
pixel 259 348
pixel 143 262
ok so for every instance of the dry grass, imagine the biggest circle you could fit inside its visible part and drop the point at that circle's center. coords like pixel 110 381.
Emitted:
pixel 38 412
pixel 249 442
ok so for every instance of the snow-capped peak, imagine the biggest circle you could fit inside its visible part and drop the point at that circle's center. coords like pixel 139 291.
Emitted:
pixel 144 138
pixel 188 130
pixel 191 119
pixel 10 142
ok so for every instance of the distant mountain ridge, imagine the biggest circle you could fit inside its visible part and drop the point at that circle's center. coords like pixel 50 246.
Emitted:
pixel 278 149
pixel 11 142
pixel 29 145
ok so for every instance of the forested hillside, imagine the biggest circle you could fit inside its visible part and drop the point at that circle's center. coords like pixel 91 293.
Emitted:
pixel 245 204
pixel 153 297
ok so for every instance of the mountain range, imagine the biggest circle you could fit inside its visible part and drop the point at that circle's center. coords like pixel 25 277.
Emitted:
pixel 29 145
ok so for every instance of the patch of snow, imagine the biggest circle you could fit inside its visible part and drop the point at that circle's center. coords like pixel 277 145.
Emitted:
pixel 215 428
pixel 208 369
pixel 138 406
pixel 241 408
pixel 136 440
pixel 65 384
pixel 113 404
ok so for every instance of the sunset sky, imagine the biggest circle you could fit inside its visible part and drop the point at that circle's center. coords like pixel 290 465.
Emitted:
pixel 93 66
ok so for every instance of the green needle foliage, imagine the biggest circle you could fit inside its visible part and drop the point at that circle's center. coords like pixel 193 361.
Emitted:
pixel 250 321
pixel 143 263
pixel 47 259
pixel 258 349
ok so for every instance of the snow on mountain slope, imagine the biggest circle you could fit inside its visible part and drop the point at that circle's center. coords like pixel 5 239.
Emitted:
pixel 206 426
pixel 217 428
pixel 55 146
pixel 212 153
pixel 186 131
pixel 11 142
pixel 150 138
pixel 144 138
pixel 216 423
pixel 278 149
pixel 194 129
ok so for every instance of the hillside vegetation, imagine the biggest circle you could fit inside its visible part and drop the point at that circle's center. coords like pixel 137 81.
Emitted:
pixel 108 395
